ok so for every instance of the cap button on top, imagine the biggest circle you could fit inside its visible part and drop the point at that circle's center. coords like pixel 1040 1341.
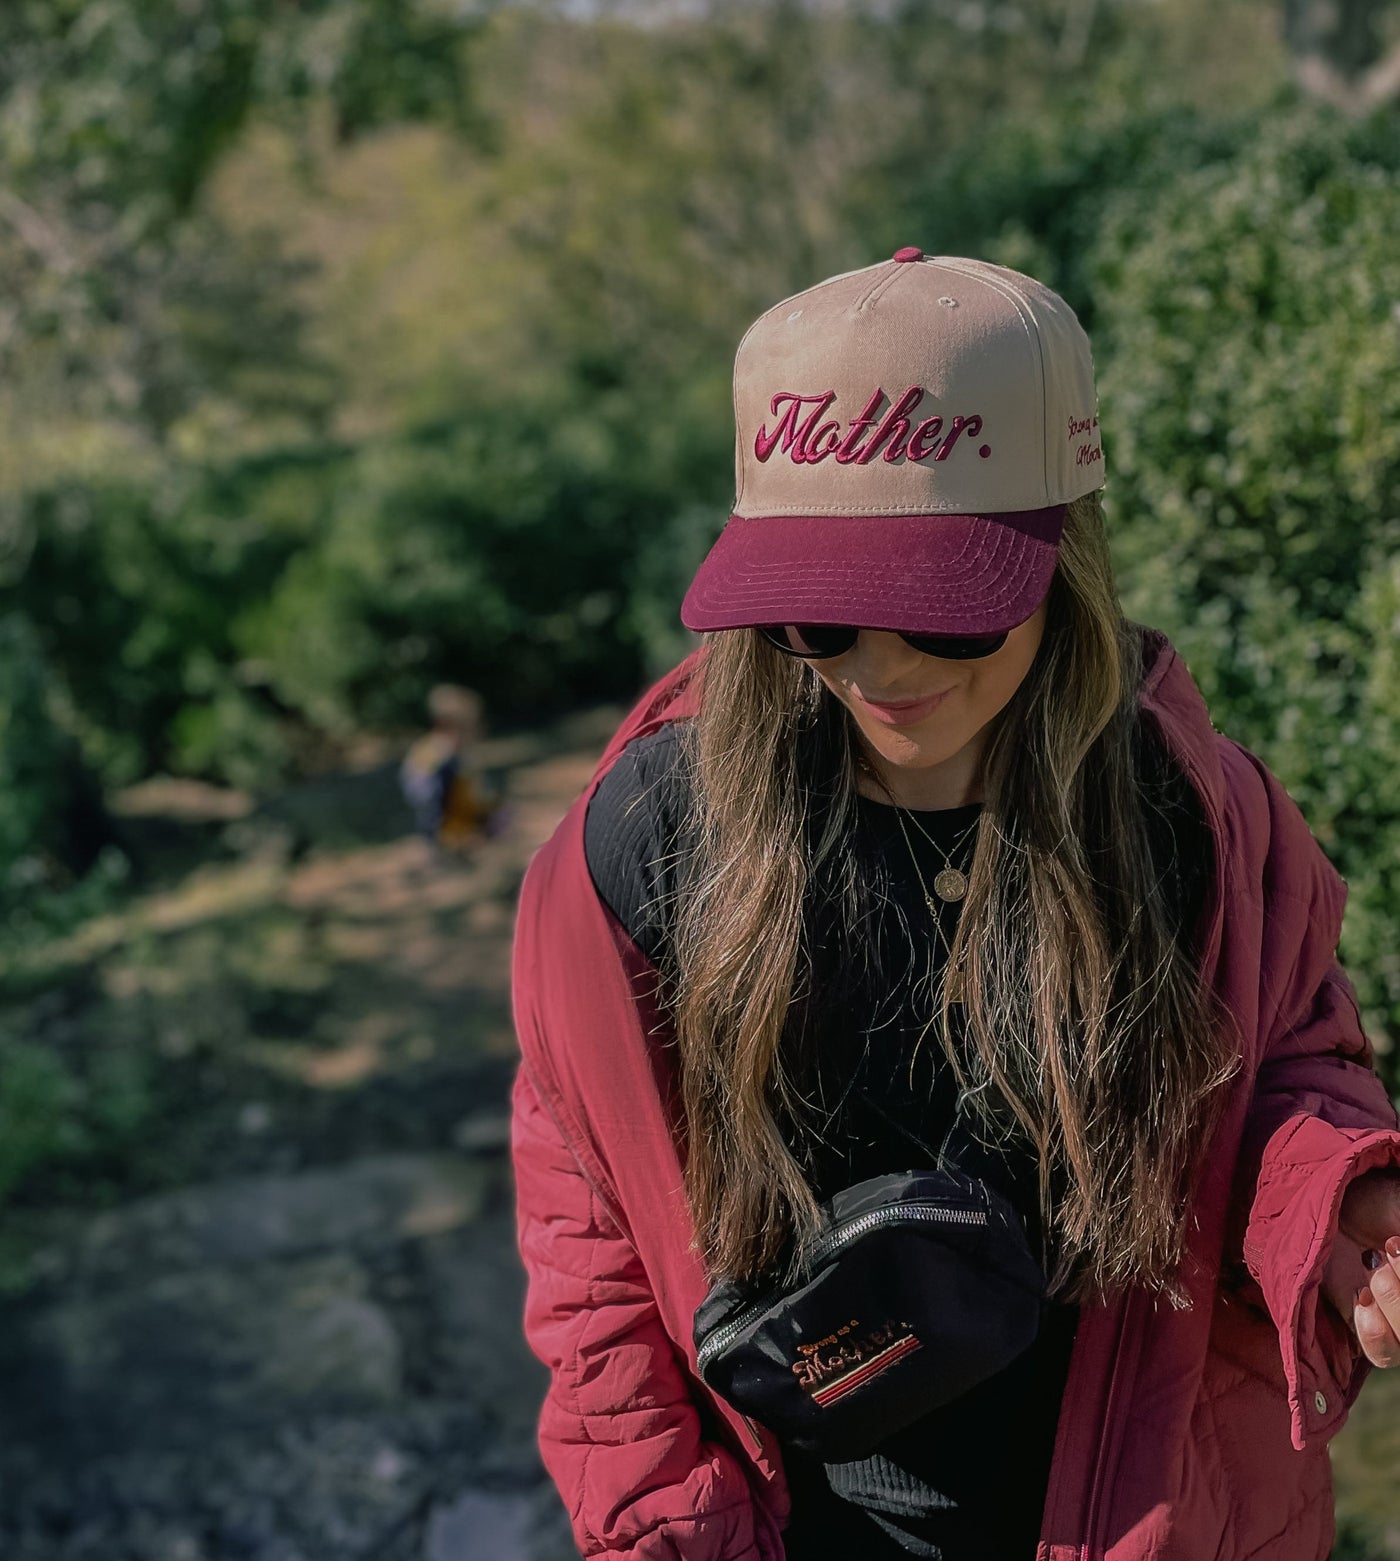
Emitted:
pixel 909 252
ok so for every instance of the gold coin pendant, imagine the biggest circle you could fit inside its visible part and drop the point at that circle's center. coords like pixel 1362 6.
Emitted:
pixel 950 884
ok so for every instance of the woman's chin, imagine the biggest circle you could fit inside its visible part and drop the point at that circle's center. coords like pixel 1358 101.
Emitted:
pixel 906 752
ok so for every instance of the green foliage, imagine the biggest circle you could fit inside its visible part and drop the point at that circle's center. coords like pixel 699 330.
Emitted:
pixel 504 551
pixel 189 625
pixel 1247 334
pixel 62 1112
pixel 36 1100
pixel 135 593
pixel 52 826
pixel 143 96
pixel 126 299
pixel 31 749
pixel 1358 1540
pixel 148 348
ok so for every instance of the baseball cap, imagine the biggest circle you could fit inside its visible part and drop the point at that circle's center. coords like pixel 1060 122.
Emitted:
pixel 907 437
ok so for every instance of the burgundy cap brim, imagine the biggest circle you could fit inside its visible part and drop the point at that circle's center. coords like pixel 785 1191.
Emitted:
pixel 929 574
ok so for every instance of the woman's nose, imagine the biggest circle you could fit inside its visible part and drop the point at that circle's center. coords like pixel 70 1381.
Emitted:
pixel 880 658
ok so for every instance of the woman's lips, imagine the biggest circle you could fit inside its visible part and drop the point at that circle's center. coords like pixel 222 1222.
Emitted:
pixel 904 715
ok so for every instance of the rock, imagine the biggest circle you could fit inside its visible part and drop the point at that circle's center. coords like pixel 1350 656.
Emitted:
pixel 260 1218
pixel 478 1524
pixel 476 1296
pixel 254 1116
pixel 388 1465
pixel 309 1488
pixel 163 1360
pixel 484 1135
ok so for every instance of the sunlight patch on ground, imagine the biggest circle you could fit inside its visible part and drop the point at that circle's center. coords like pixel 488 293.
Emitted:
pixel 365 1051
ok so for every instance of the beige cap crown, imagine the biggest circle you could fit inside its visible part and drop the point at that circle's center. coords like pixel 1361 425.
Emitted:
pixel 922 385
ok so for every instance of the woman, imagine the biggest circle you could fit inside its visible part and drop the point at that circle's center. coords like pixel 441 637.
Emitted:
pixel 927 847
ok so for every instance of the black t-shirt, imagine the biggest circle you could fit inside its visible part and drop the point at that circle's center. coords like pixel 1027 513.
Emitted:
pixel 967 1482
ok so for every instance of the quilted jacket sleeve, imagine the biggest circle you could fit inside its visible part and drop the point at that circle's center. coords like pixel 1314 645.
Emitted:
pixel 618 1431
pixel 1320 1117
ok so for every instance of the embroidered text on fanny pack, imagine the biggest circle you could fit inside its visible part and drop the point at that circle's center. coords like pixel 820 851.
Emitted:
pixel 831 1369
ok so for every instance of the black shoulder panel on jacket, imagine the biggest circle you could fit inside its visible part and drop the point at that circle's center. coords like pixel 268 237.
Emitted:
pixel 630 835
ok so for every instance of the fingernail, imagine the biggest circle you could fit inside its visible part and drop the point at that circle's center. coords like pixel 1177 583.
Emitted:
pixel 1364 1296
pixel 1371 1258
pixel 1392 1246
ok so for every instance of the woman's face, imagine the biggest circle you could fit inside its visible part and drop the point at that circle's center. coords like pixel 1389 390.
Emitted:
pixel 930 758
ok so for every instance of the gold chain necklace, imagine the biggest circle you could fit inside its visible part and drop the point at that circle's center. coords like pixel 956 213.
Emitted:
pixel 954 975
pixel 950 884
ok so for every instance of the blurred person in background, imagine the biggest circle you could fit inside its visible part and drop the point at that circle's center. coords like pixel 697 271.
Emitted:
pixel 927 844
pixel 453 803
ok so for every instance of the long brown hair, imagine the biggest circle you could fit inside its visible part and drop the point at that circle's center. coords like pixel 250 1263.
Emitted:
pixel 1088 1027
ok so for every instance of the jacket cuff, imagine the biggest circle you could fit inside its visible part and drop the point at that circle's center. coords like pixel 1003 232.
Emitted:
pixel 1308 1166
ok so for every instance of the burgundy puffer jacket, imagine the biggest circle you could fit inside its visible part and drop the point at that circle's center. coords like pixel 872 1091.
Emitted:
pixel 1185 1435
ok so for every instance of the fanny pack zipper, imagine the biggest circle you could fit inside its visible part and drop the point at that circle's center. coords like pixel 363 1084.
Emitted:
pixel 831 1243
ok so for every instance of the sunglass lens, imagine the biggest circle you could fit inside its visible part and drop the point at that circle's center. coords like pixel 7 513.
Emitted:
pixel 811 639
pixel 958 647
pixel 820 640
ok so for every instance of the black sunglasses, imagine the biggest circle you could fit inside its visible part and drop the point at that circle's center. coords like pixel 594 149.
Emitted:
pixel 818 641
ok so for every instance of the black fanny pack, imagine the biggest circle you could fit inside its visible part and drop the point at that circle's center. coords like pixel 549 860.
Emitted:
pixel 921 1285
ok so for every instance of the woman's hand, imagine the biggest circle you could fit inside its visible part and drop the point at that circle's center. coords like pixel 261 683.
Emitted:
pixel 1369 1298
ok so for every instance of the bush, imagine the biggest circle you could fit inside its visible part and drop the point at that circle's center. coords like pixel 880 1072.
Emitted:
pixel 525 551
pixel 1247 335
pixel 63 1113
